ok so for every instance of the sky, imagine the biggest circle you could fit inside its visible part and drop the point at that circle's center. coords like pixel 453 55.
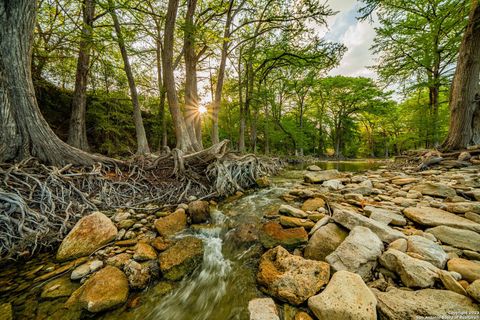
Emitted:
pixel 356 35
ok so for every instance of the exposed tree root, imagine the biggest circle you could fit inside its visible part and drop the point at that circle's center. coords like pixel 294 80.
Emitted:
pixel 39 204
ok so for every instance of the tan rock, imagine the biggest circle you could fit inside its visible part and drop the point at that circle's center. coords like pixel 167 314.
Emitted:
pixel 450 283
pixel 181 258
pixel 291 278
pixel 144 251
pixel 313 204
pixel 474 290
pixel 433 217
pixel 89 233
pixel 324 241
pixel 272 234
pixel 469 270
pixel 171 224
pixel 296 222
pixel 346 297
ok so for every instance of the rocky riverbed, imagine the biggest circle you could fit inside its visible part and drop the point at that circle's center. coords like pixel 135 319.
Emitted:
pixel 380 244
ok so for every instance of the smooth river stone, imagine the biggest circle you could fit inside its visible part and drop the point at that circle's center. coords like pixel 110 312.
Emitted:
pixel 463 239
pixel 433 217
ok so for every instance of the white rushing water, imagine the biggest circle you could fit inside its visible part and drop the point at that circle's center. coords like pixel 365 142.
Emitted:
pixel 198 294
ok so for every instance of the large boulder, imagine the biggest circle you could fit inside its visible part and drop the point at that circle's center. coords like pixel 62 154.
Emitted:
pixel 106 289
pixel 320 176
pixel 350 220
pixel 273 234
pixel 358 253
pixel 171 224
pixel 291 278
pixel 346 297
pixel 90 233
pixel 435 190
pixel 199 211
pixel 263 309
pixel 324 241
pixel 469 270
pixel 463 239
pixel 397 304
pixel 181 258
pixel 428 250
pixel 414 273
pixel 433 217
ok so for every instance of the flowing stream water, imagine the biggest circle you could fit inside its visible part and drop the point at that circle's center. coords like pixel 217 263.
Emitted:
pixel 219 289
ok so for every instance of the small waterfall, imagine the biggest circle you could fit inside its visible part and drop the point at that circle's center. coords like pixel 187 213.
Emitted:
pixel 198 295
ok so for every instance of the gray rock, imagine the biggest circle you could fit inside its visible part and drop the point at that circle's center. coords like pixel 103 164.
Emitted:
pixel 350 219
pixel 292 211
pixel 435 190
pixel 263 309
pixel 414 273
pixel 334 184
pixel 429 250
pixel 314 168
pixel 358 253
pixel 320 176
pixel 324 241
pixel 85 269
pixel 398 304
pixel 433 217
pixel 385 215
pixel 346 297
pixel 463 239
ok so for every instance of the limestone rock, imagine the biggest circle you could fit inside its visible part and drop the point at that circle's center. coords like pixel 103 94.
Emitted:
pixel 350 219
pixel 199 211
pixel 380 214
pixel 469 270
pixel 414 273
pixel 334 184
pixel 292 211
pixel 320 176
pixel 263 309
pixel 171 224
pixel 89 233
pixel 291 278
pixel 161 244
pixel 463 239
pixel 143 252
pixel 433 217
pixel 397 304
pixel 85 269
pixel 358 253
pixel 346 297
pixel 474 290
pixel 314 168
pixel 313 204
pixel 106 289
pixel 428 250
pixel 450 283
pixel 399 244
pixel 463 207
pixel 119 260
pixel 435 190
pixel 272 235
pixel 182 258
pixel 296 222
pixel 137 274
pixel 324 241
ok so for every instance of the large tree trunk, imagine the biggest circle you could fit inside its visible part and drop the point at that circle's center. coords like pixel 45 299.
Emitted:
pixel 23 130
pixel 221 74
pixel 463 97
pixel 161 90
pixel 77 134
pixel 192 116
pixel 183 139
pixel 142 142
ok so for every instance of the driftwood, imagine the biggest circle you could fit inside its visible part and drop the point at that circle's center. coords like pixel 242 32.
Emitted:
pixel 39 204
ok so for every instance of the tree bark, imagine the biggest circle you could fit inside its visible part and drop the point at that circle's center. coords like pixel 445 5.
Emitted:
pixel 142 142
pixel 181 134
pixel 77 134
pixel 463 97
pixel 221 74
pixel 192 116
pixel 161 90
pixel 241 135
pixel 23 130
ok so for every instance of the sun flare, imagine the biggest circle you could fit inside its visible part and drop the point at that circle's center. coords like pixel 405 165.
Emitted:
pixel 202 109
